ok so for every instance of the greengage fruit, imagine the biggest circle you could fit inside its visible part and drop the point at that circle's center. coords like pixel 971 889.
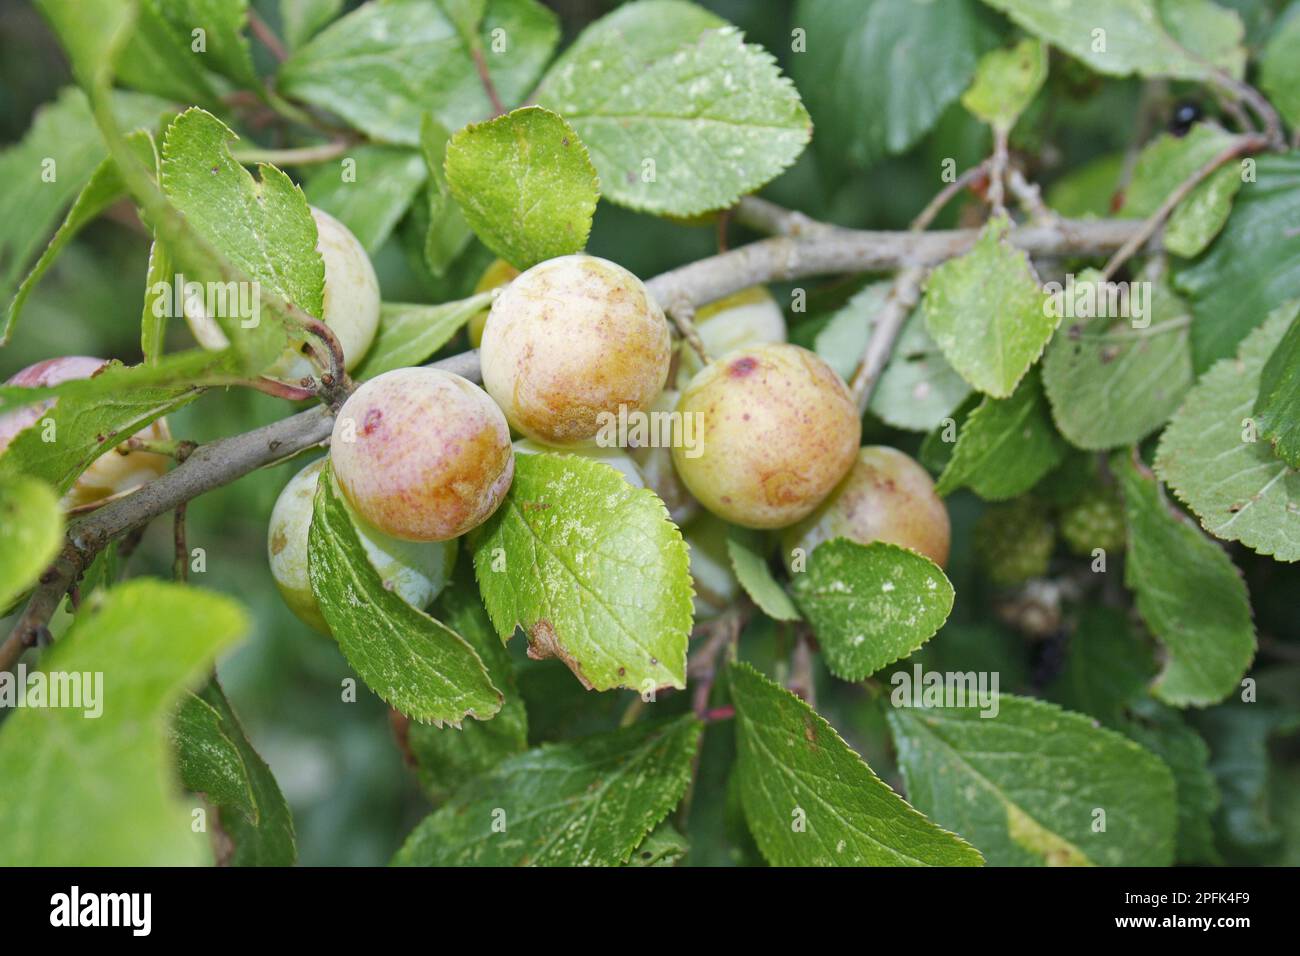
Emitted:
pixel 415 571
pixel 422 454
pixel 886 496
pixel 570 339
pixel 779 430
pixel 350 304
pixel 748 317
pixel 112 473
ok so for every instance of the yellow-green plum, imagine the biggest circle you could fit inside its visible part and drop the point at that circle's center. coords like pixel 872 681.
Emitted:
pixel 570 341
pixel 716 587
pixel 112 473
pixel 616 458
pixel 493 277
pixel 422 454
pixel 886 496
pixel 748 317
pixel 351 302
pixel 779 430
pixel 416 571
pixel 656 465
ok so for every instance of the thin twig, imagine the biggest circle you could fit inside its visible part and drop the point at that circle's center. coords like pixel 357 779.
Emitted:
pixel 773 220
pixel 902 299
pixel 299 156
pixel 945 195
pixel 263 32
pixel 485 77
pixel 998 171
pixel 1029 196
pixel 180 562
pixel 1243 144
pixel 683 316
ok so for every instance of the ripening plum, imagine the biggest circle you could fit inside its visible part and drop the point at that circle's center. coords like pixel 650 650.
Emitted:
pixel 351 302
pixel 493 277
pixel 886 496
pixel 416 571
pixel 112 473
pixel 748 317
pixel 422 454
pixel 616 458
pixel 779 430
pixel 570 339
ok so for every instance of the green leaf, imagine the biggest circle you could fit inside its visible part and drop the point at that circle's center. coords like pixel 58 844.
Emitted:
pixel 300 20
pixel 592 569
pixel 1182 39
pixel 446 234
pixel 1026 786
pixel 525 185
pixel 374 195
pixel 417 664
pixel 1111 383
pixel 1006 82
pixel 386 64
pixel 216 758
pixel 1005 446
pixel 1279 67
pixel 263 227
pixel 446 757
pixel 679 114
pixel 873 87
pixel 60 158
pixel 158 58
pixel 871 605
pixel 223 21
pixel 987 312
pixel 918 387
pixel 1188 593
pixel 157 289
pixel 793 768
pixel 748 553
pixel 1253 266
pixel 93 32
pixel 1108 667
pixel 85 428
pixel 585 802
pixel 1163 731
pixel 100 791
pixel 31 532
pixel 103 188
pixel 663 847
pixel 409 334
pixel 1277 406
pixel 1215 464
pixel 1163 165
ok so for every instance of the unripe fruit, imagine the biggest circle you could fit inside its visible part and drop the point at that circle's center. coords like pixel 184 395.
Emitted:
pixel 656 466
pixel 111 473
pixel 570 339
pixel 1015 541
pixel 493 277
pixel 422 454
pixel 779 431
pixel 716 587
pixel 748 317
pixel 616 458
pixel 886 496
pixel 415 571
pixel 351 302
pixel 1096 520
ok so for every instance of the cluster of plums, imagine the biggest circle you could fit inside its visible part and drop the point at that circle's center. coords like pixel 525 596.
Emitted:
pixel 421 456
